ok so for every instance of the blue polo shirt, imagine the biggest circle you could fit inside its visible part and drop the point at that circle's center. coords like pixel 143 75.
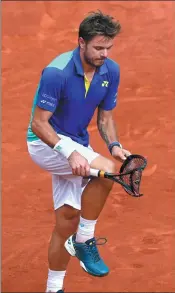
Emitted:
pixel 62 91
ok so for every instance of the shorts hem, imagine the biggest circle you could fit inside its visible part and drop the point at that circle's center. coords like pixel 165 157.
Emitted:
pixel 75 206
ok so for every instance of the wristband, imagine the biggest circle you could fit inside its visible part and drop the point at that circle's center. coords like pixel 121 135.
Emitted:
pixel 115 143
pixel 65 147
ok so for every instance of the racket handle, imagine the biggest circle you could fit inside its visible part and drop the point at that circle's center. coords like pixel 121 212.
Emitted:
pixel 94 172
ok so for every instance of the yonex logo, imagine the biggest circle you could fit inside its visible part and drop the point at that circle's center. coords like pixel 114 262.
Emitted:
pixel 105 83
pixel 48 103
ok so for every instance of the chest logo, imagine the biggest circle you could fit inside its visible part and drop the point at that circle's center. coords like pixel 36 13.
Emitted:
pixel 105 83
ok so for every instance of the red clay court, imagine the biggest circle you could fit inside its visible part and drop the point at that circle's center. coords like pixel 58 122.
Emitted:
pixel 140 231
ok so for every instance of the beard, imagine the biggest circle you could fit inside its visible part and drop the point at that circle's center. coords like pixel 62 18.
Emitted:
pixel 96 63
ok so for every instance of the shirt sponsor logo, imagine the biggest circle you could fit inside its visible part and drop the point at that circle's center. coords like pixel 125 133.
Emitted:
pixel 48 97
pixel 48 103
pixel 105 83
pixel 115 97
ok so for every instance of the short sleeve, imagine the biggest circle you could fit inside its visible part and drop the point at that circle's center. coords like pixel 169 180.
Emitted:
pixel 49 91
pixel 110 100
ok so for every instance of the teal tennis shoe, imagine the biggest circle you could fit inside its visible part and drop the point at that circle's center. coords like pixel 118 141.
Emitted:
pixel 88 255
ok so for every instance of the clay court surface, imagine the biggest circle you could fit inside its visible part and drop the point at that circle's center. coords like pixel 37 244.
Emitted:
pixel 140 231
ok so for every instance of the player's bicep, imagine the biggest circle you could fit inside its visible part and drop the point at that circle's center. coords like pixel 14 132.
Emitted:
pixel 41 115
pixel 49 91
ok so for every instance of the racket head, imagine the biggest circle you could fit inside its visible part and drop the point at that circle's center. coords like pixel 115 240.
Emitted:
pixel 131 173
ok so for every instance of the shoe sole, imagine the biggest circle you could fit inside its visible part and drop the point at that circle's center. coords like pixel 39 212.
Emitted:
pixel 90 273
pixel 70 249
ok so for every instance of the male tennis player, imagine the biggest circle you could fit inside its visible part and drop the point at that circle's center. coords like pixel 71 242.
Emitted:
pixel 71 87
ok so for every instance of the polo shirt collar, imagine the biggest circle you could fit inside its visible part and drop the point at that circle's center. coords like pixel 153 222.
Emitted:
pixel 78 64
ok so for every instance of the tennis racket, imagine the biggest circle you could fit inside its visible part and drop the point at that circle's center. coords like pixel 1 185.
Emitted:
pixel 129 176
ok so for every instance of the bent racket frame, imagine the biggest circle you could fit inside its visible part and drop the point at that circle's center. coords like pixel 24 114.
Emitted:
pixel 129 176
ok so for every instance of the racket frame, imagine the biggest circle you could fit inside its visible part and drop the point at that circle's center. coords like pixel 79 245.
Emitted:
pixel 113 177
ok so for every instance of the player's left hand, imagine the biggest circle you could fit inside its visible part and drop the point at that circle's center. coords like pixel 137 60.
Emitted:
pixel 120 154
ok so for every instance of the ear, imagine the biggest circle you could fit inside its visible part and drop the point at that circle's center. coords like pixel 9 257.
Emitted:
pixel 81 43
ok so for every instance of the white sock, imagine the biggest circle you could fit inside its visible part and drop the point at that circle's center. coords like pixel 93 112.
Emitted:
pixel 55 280
pixel 85 230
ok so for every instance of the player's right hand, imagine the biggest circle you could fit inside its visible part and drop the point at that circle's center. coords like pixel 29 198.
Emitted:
pixel 79 164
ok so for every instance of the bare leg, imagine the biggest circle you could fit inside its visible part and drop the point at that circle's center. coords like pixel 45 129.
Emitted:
pixel 67 219
pixel 93 199
pixel 97 190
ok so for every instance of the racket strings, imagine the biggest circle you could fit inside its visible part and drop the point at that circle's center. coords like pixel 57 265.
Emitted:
pixel 135 167
pixel 135 163
pixel 136 179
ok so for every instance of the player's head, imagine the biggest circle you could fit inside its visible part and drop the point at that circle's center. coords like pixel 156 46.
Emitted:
pixel 96 34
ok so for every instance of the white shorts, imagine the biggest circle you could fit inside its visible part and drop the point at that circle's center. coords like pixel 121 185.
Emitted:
pixel 67 188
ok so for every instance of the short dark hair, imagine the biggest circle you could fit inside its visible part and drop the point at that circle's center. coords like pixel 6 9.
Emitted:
pixel 98 23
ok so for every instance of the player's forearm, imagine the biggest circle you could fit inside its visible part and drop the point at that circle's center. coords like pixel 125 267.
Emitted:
pixel 45 132
pixel 108 130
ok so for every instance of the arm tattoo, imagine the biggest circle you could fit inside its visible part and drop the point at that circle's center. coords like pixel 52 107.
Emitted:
pixel 102 127
pixel 106 127
pixel 102 130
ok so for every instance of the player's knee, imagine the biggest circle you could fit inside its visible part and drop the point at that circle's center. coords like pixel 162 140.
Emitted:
pixel 104 164
pixel 71 221
pixel 110 167
pixel 67 222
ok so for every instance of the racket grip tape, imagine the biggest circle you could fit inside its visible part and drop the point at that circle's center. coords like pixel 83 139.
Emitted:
pixel 97 173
